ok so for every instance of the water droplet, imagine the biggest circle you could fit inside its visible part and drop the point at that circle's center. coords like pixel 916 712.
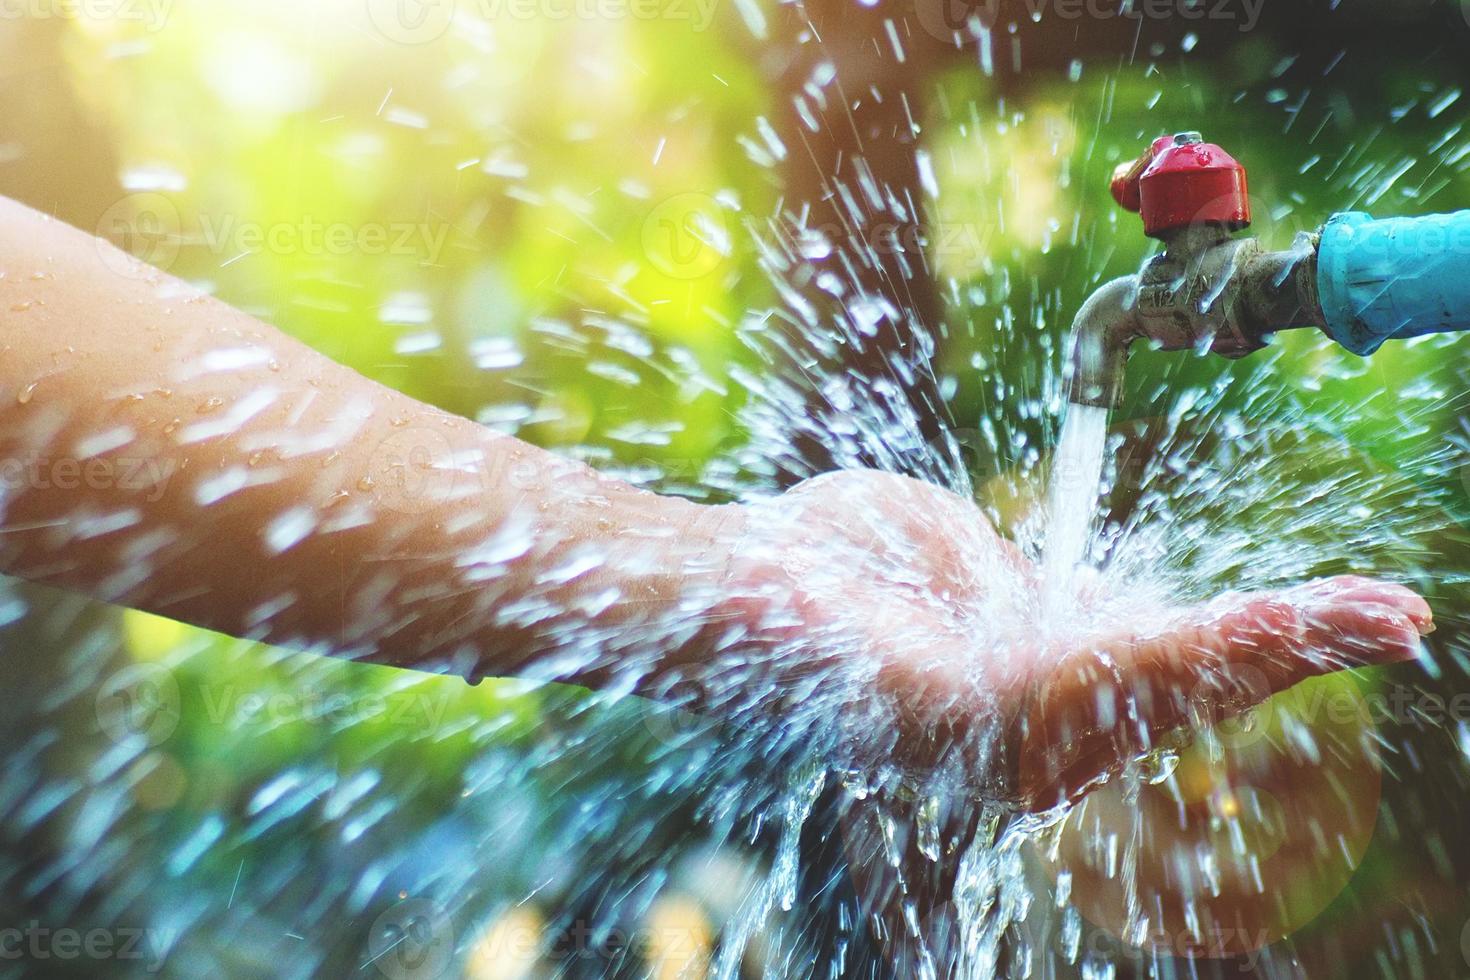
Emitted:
pixel 1158 766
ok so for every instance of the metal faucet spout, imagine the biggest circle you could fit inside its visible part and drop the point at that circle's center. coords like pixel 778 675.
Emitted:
pixel 1101 334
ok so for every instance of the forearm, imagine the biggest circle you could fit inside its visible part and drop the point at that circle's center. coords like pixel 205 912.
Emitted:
pixel 162 450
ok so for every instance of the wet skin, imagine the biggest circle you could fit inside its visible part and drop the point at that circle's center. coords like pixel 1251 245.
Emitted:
pixel 948 608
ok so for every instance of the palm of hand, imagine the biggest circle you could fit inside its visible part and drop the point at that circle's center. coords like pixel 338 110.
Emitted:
pixel 915 583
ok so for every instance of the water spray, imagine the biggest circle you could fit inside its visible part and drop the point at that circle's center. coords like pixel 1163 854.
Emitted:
pixel 1360 280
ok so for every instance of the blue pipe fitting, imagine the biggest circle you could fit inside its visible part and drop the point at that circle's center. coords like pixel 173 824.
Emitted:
pixel 1393 278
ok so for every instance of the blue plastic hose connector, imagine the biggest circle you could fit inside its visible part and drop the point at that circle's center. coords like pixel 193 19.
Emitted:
pixel 1393 278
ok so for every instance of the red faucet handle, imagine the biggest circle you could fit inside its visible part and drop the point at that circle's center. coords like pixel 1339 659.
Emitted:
pixel 1127 178
pixel 1183 181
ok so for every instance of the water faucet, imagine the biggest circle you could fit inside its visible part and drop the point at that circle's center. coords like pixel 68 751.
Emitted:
pixel 1358 279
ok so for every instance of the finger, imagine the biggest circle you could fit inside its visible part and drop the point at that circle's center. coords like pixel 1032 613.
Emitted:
pixel 1299 633
pixel 1351 589
pixel 1287 636
pixel 1113 699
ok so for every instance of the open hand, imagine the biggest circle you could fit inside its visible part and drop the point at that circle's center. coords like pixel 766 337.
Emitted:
pixel 916 580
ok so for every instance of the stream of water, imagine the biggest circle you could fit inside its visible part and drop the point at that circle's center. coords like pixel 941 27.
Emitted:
pixel 1071 501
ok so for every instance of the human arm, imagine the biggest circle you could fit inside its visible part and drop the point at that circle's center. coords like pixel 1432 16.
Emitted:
pixel 223 474
pixel 161 450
